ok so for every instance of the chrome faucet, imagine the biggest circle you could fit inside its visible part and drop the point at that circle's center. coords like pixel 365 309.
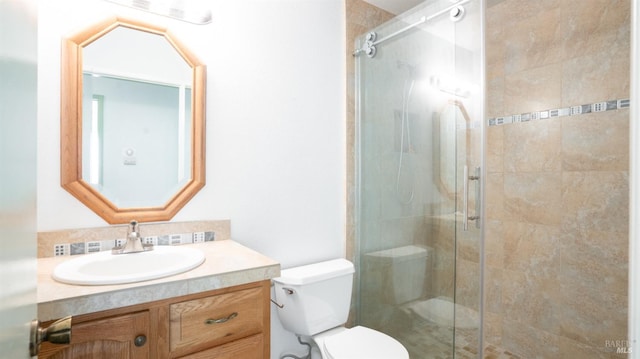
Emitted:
pixel 133 243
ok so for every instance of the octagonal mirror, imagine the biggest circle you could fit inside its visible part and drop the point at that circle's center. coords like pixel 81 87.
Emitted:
pixel 132 121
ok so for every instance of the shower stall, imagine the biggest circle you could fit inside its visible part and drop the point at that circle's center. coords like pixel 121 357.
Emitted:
pixel 419 181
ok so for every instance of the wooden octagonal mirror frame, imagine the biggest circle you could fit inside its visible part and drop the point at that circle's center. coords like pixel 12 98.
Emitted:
pixel 71 129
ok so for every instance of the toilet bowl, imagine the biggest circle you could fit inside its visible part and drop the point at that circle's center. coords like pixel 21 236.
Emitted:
pixel 358 343
pixel 315 302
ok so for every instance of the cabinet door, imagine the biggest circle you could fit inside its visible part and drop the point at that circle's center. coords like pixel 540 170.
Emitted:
pixel 109 338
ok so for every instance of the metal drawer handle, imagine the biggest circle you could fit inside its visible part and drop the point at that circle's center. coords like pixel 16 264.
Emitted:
pixel 221 320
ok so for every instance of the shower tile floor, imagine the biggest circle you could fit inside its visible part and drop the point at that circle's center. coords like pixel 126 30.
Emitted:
pixel 426 340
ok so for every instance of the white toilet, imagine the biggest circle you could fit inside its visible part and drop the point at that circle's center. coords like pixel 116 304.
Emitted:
pixel 316 300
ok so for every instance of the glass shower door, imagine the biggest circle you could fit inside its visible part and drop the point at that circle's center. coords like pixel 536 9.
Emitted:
pixel 420 109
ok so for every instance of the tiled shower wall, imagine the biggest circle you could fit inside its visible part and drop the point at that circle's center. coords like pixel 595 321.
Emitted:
pixel 557 188
pixel 360 18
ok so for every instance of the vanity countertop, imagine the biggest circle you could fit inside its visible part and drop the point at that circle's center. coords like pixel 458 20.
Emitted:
pixel 227 264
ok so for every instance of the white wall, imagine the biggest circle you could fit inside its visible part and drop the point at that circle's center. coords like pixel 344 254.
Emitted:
pixel 275 124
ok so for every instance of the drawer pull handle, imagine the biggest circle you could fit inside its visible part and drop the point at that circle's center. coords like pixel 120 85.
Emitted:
pixel 221 320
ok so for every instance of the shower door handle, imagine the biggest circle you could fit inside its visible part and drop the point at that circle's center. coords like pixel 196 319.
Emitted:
pixel 465 198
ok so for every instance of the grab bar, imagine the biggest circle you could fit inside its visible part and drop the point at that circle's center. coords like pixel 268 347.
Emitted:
pixel 465 198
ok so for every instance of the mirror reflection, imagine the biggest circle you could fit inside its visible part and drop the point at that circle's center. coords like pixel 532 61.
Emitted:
pixel 451 145
pixel 135 151
pixel 135 110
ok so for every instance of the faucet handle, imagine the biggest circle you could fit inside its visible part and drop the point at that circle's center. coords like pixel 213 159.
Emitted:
pixel 134 231
pixel 133 226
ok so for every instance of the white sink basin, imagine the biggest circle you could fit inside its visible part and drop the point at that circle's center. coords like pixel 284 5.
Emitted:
pixel 106 268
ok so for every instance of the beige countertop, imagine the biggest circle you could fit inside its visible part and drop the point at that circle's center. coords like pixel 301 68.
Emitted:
pixel 227 264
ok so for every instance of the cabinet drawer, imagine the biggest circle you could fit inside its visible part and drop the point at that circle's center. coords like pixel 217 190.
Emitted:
pixel 202 323
pixel 247 348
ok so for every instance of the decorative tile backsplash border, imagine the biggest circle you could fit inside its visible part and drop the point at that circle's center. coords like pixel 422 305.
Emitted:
pixel 65 249
pixel 90 240
pixel 561 112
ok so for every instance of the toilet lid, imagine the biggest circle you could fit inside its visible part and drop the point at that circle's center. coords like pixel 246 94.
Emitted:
pixel 364 343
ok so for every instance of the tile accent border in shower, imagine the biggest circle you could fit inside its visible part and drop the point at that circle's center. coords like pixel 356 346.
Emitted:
pixel 561 112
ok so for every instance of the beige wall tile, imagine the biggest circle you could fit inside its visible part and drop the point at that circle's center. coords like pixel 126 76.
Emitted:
pixel 360 17
pixel 467 283
pixel 514 11
pixel 597 260
pixel 495 86
pixel 532 197
pixel 493 290
pixel 493 329
pixel 493 2
pixel 533 146
pixel 532 249
pixel 595 201
pixel 525 300
pixel 596 77
pixel 592 26
pixel 494 244
pixel 591 316
pixel 495 149
pixel 467 243
pixel 533 90
pixel 494 39
pixel 559 210
pixel 534 42
pixel 596 142
pixel 494 188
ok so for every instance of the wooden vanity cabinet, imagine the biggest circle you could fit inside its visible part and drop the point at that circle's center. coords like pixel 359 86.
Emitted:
pixel 229 323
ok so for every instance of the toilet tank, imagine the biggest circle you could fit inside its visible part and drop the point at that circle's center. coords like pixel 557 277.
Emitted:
pixel 315 297
pixel 404 272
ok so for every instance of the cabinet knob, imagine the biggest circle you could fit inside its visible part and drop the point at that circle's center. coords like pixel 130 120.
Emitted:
pixel 140 340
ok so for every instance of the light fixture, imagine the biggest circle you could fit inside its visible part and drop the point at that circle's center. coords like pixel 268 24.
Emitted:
pixel 192 11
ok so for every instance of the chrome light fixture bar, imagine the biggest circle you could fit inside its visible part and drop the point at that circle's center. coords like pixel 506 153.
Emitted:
pixel 192 11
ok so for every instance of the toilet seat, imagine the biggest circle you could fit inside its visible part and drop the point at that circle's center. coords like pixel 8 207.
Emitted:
pixel 363 343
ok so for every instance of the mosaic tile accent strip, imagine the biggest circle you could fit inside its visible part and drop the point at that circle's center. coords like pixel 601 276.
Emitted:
pixel 96 239
pixel 106 245
pixel 561 112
